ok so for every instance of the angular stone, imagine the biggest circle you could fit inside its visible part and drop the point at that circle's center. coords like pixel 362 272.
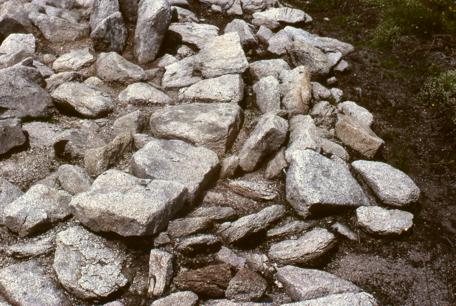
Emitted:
pixel 303 135
pixel 343 299
pixel 324 114
pixel 247 286
pixel 229 166
pixel 143 93
pixel 187 226
pixel 85 100
pixel 357 112
pixel 276 165
pixel 296 90
pixel 215 213
pixel 152 204
pixel 225 89
pixel 274 17
pixel 305 284
pixel 88 265
pixel 384 222
pixel 74 60
pixel 344 230
pixel 257 189
pixel 244 30
pixel 251 224
pixel 320 92
pixel 57 30
pixel 267 93
pixel 8 193
pixel 180 74
pixel 31 249
pixel 39 207
pixel 267 137
pixel 112 67
pixel 337 94
pixel 73 179
pixel 160 272
pixel 184 15
pixel 222 55
pixel 194 33
pixel 266 68
pixel 154 18
pixel 57 79
pixel 229 257
pixel 29 283
pixel 72 143
pixel 315 183
pixel 291 228
pixel 199 243
pixel 390 185
pixel 133 122
pixel 264 34
pixel 211 125
pixel 304 250
pixel 182 298
pixel 11 135
pixel 18 42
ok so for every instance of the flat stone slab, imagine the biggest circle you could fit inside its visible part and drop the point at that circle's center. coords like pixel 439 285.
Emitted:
pixel 182 298
pixel 194 33
pixel 112 67
pixel 151 204
pixel 144 94
pixel 73 60
pixel 390 185
pixel 384 222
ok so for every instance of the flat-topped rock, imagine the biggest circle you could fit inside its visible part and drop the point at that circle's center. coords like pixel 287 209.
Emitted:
pixel 357 112
pixel 274 17
pixel 246 285
pixel 181 74
pixel 267 94
pixel 56 29
pixel 144 94
pixel 112 67
pixel 342 299
pixel 194 33
pixel 17 42
pixel 36 247
pixel 384 222
pixel 73 60
pixel 264 68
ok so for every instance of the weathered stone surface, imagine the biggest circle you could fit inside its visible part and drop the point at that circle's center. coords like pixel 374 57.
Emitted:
pixel 154 18
pixel 177 161
pixel 152 204
pixel 296 90
pixel 222 55
pixel 251 224
pixel 56 29
pixel 264 34
pixel 187 226
pixel 244 30
pixel 291 228
pixel 8 193
pixel 73 179
pixel 303 53
pixel 384 222
pixel 273 17
pixel 181 73
pixel 390 185
pixel 133 122
pixel 57 79
pixel 88 265
pixel 315 183
pixel 211 125
pixel 39 207
pixel 246 285
pixel 320 92
pixel 305 284
pixel 18 42
pixel 194 33
pixel 33 248
pixel 143 93
pixel 342 299
pixel 160 272
pixel 344 230
pixel 303 135
pixel 183 298
pixel 29 283
pixel 265 68
pixel 73 143
pixel 223 89
pixel 267 137
pixel 229 166
pixel 199 243
pixel 215 213
pixel 267 92
pixel 276 165
pixel 184 15
pixel 324 114
pixel 86 100
pixel 11 135
pixel 209 281
pixel 256 189
pixel 357 112
pixel 74 60
pixel 304 250
pixel 229 257
pixel 112 67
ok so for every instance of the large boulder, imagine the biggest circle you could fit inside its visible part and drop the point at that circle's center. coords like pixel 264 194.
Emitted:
pixel 267 94
pixel 150 204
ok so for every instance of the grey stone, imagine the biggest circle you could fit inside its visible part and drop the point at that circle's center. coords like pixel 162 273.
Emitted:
pixel 303 53
pixel 57 79
pixel 222 55
pixel 264 34
pixel 267 137
pixel 244 30
pixel 267 92
pixel 251 224
pixel 166 60
pixel 280 43
pixel 274 17
pixel 276 165
pixel 184 15
pixel 296 90
pixel 32 248
pixel 85 100
pixel 39 207
pixel 18 42
pixel 229 257
pixel 160 272
pixel 359 113
pixel 320 92
pixel 306 284
pixel 316 183
pixel 246 285
pixel 265 68
pixel 10 59
pixel 182 298
pixel 324 114
pixel 181 73
pixel 390 185
pixel 112 67
pixel 343 66
pixel 290 228
pixel 133 122
pixel 143 94
pixel 154 18
pixel 229 166
pixel 11 135
pixel 187 226
pixel 8 193
pixel 175 160
pixel 337 94
pixel 342 299
pixel 29 283
pixel 384 222
pixel 252 6
pixel 224 89
pixel 194 244
pixel 303 135
pixel 256 189
pixel 56 29
pixel 74 60
pixel 194 33
pixel 344 230
pixel 304 250
pixel 73 179
pixel 88 265
pixel 215 213
pixel 72 143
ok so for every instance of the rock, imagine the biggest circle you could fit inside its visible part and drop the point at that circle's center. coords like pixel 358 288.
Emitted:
pixel 267 137
pixel 74 60
pixel 303 135
pixel 384 222
pixel 166 60
pixel 112 67
pixel 244 30
pixel 303 53
pixel 133 122
pixel 358 113
pixel 266 68
pixel 194 33
pixel 87 101
pixel 29 283
pixel 57 79
pixel 38 208
pixel 296 90
pixel 10 59
pixel 306 284
pixel 154 18
pixel 18 43
pixel 88 265
pixel 257 189
pixel 58 30
pixel 357 136
pixel 227 256
pixel 304 250
pixel 181 73
pixel 184 15
pixel 324 115
pixel 315 183
pixel 11 135
pixel 73 179
pixel 215 213
pixel 152 204
pixel 194 244
pixel 276 165
pixel 175 160
pixel 251 224
pixel 187 226
pixel 22 95
pixel 224 89
pixel 336 94
pixel 72 143
pixel 252 6
pixel 222 55
pixel 209 281
pixel 143 93
pixel 344 230
pixel 343 66
pixel 129 10
pixel 247 286
pixel 343 299
pixel 229 166
pixel 274 17
pixel 291 228
pixel 109 32
pixel 264 34
pixel 390 185
pixel 41 134
pixel 160 272
pixel 183 298
pixel 267 92
pixel 8 193
pixel 320 92
pixel 34 248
